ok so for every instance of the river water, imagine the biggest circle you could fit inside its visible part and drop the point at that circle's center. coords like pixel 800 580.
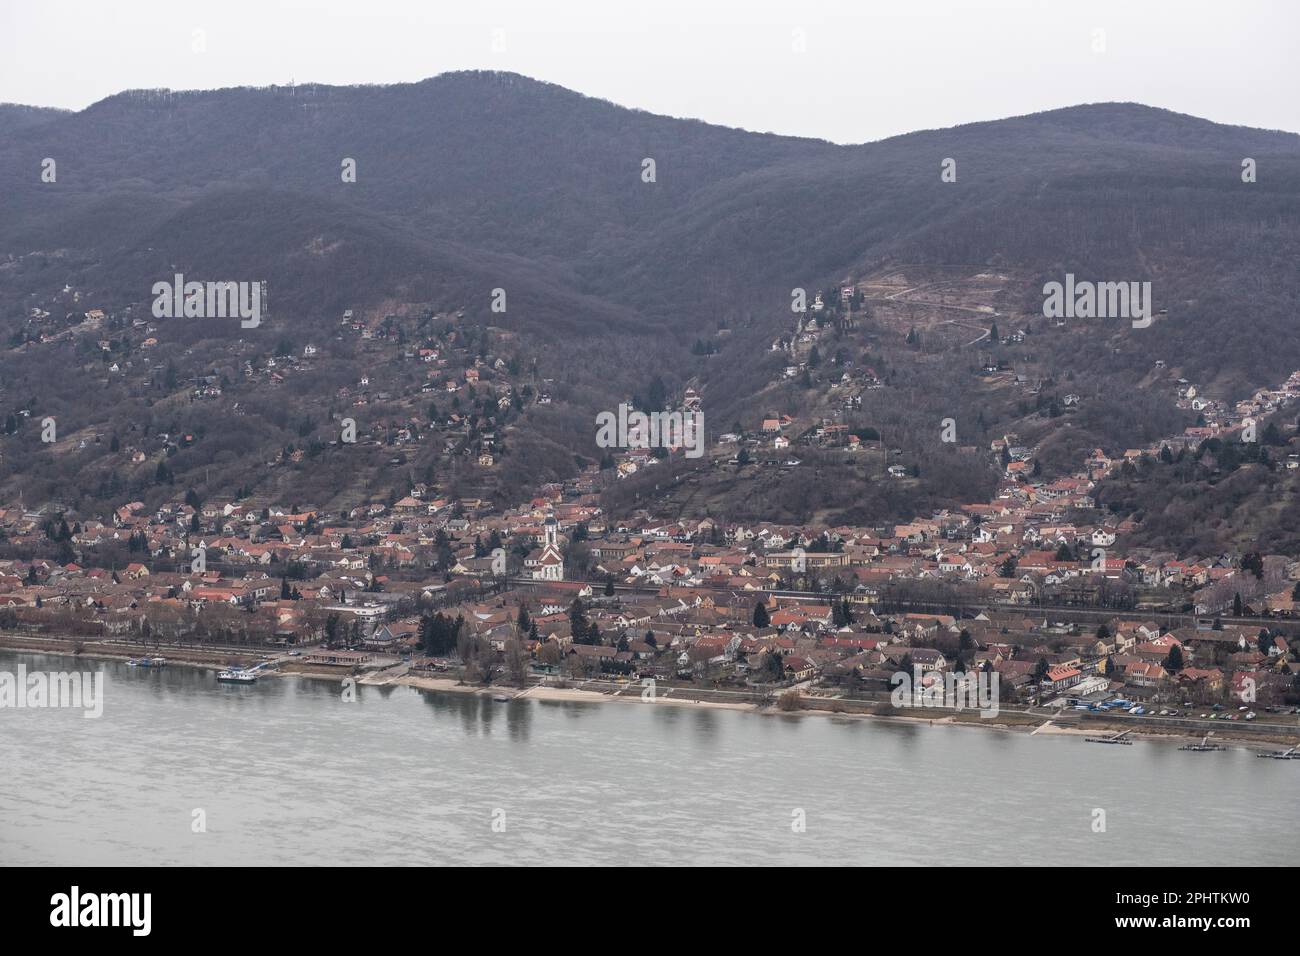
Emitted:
pixel 182 770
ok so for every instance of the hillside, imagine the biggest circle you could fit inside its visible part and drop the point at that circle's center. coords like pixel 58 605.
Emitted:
pixel 471 182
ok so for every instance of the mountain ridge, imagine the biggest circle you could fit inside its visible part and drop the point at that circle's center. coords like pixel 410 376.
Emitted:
pixel 477 181
pixel 1135 110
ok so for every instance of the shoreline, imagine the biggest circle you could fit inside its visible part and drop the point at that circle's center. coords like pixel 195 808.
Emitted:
pixel 1017 722
pixel 548 692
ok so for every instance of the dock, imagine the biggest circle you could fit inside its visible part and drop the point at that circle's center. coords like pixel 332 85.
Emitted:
pixel 1292 754
pixel 1204 745
pixel 1119 738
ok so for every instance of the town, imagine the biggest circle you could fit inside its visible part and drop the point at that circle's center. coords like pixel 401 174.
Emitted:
pixel 556 591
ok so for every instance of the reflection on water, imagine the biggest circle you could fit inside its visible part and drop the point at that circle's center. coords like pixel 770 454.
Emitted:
pixel 287 771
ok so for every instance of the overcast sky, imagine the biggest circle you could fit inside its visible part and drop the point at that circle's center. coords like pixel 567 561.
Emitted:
pixel 843 70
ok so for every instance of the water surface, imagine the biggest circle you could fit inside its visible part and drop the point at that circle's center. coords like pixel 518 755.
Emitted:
pixel 287 772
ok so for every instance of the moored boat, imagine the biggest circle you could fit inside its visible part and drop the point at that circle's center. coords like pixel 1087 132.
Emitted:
pixel 236 675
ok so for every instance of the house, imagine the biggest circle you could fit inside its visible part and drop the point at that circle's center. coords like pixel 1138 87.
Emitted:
pixel 1210 680
pixel 798 668
pixel 1061 678
pixel 1159 648
pixel 1144 674
pixel 927 659
pixel 387 637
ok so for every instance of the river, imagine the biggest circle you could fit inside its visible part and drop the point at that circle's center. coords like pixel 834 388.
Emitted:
pixel 287 772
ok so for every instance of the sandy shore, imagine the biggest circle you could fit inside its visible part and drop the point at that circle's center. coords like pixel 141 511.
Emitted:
pixel 547 692
pixel 1051 728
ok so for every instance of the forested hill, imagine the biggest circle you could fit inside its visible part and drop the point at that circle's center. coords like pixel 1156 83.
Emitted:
pixel 468 182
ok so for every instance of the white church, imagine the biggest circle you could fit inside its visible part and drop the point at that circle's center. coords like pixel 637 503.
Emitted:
pixel 546 563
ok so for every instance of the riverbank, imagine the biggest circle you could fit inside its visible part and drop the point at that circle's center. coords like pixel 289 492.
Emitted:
pixel 100 649
pixel 1014 721
pixel 571 694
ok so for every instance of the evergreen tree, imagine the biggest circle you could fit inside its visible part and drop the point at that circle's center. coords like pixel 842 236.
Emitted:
pixel 657 395
pixel 579 626
pixel 440 635
pixel 772 667
pixel 841 613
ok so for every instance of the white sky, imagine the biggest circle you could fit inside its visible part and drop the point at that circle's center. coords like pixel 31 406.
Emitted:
pixel 870 69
